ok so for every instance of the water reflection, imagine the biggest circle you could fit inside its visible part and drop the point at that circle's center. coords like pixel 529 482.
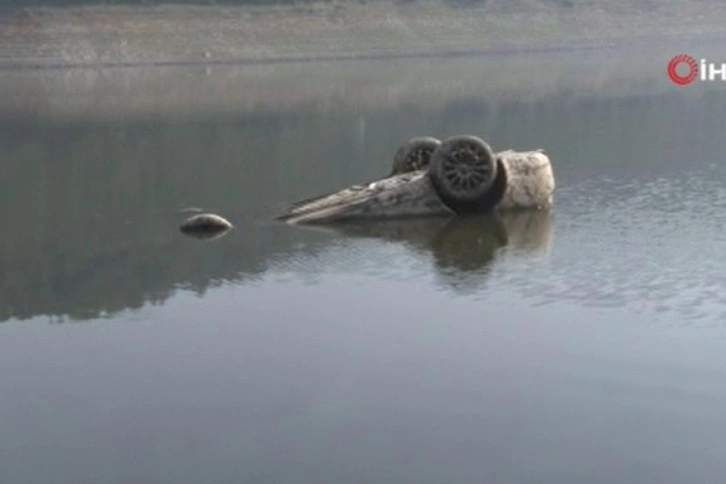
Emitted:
pixel 93 194
pixel 206 235
pixel 408 85
pixel 522 348
pixel 463 249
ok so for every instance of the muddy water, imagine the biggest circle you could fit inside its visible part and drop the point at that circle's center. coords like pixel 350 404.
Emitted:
pixel 582 345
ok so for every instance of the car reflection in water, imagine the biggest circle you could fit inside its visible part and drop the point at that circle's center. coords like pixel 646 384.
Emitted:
pixel 464 248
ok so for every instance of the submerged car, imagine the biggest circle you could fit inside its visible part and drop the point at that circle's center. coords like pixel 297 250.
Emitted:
pixel 458 175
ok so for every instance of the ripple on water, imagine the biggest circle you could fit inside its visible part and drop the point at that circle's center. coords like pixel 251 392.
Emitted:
pixel 650 246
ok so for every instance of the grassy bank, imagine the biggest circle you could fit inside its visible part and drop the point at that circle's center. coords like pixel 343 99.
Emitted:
pixel 179 34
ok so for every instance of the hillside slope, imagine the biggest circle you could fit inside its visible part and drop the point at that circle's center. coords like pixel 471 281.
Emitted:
pixel 169 34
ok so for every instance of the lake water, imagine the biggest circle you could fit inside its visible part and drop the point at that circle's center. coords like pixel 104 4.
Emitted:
pixel 587 344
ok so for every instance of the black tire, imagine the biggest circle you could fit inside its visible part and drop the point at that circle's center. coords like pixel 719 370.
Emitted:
pixel 414 155
pixel 466 174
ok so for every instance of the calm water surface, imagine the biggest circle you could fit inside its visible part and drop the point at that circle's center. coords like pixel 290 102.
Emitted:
pixel 583 345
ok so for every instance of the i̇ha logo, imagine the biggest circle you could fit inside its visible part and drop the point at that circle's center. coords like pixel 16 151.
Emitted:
pixel 683 70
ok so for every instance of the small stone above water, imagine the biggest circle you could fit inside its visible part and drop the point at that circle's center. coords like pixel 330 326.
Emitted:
pixel 207 224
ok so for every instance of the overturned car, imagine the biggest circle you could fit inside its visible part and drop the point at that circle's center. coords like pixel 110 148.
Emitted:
pixel 458 175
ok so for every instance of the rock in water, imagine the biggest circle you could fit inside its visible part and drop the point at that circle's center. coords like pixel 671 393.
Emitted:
pixel 205 224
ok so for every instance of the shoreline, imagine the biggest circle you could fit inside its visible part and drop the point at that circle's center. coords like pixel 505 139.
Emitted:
pixel 638 42
pixel 29 64
pixel 113 37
